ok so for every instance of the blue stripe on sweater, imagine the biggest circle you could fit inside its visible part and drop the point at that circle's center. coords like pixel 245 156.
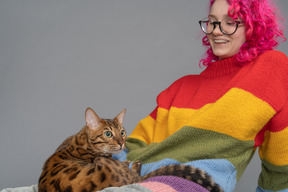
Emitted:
pixel 221 170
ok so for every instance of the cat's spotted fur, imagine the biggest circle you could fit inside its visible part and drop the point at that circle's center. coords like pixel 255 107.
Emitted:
pixel 83 162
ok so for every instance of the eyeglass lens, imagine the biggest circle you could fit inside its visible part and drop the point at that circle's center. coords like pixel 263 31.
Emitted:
pixel 227 26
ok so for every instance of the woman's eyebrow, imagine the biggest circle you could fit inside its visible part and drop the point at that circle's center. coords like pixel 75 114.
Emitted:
pixel 224 16
pixel 211 16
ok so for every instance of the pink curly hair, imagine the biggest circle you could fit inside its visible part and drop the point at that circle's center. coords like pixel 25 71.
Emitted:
pixel 263 30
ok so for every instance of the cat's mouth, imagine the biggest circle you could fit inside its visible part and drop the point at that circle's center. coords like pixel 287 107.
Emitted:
pixel 114 149
pixel 119 148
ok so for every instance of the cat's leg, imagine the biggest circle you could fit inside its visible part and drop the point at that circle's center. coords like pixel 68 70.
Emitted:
pixel 126 162
pixel 136 166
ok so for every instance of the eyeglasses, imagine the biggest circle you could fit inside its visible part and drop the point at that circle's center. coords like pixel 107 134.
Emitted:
pixel 227 26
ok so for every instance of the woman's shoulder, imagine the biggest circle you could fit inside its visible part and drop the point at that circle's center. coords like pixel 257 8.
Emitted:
pixel 182 81
pixel 188 77
pixel 273 55
pixel 185 79
pixel 273 60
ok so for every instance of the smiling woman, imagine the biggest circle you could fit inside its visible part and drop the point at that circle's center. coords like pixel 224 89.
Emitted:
pixel 258 29
pixel 58 57
pixel 228 44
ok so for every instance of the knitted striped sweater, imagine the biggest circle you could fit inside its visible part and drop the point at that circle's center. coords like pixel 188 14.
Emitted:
pixel 216 120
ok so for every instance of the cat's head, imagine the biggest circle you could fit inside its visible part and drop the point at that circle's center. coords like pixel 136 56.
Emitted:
pixel 105 135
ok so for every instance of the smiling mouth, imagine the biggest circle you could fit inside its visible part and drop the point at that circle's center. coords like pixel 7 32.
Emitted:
pixel 220 41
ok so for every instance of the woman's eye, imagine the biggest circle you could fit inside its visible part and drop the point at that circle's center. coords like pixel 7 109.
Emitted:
pixel 229 22
pixel 108 134
pixel 123 133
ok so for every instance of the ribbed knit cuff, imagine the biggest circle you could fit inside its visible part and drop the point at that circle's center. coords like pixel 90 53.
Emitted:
pixel 177 183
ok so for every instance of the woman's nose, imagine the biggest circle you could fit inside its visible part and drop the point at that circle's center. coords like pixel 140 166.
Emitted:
pixel 217 30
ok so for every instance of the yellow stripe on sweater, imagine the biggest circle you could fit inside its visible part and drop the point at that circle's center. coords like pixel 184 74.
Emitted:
pixel 144 130
pixel 275 148
pixel 238 113
pixel 151 131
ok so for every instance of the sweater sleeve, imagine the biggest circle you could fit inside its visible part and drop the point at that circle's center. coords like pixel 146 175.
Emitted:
pixel 274 149
pixel 274 155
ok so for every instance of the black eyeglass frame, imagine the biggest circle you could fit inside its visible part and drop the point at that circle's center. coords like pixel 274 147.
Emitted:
pixel 219 23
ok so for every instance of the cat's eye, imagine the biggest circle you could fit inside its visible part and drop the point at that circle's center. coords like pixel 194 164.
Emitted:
pixel 123 133
pixel 108 134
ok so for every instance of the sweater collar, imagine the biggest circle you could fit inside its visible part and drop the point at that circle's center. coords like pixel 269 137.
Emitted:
pixel 221 67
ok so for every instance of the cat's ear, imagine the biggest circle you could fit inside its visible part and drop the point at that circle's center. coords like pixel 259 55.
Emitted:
pixel 92 119
pixel 120 117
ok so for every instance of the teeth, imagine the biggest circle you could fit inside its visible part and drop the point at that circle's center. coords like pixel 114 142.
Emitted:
pixel 220 41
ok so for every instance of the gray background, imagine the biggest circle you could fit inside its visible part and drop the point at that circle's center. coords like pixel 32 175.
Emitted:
pixel 58 57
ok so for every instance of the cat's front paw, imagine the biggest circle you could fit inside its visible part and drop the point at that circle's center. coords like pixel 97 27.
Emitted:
pixel 136 166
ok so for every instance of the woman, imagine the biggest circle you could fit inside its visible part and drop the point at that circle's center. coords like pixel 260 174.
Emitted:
pixel 216 120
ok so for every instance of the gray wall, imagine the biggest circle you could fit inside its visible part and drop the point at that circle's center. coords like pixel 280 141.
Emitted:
pixel 59 56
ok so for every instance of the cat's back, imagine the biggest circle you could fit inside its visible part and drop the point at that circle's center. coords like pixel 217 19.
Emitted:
pixel 60 155
pixel 61 162
pixel 67 142
pixel 77 176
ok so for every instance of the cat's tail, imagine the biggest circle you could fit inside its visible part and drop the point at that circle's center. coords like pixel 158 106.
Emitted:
pixel 187 172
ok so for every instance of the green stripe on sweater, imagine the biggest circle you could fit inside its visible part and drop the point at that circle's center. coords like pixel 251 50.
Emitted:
pixel 189 144
pixel 275 182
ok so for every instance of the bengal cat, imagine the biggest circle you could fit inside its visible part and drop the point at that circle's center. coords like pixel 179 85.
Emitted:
pixel 83 162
